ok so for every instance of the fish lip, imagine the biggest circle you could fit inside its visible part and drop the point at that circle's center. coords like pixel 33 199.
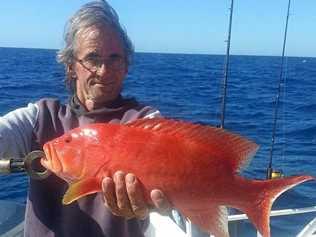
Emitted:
pixel 47 158
pixel 56 163
pixel 51 160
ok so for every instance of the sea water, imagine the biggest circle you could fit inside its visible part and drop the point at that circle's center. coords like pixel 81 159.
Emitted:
pixel 189 87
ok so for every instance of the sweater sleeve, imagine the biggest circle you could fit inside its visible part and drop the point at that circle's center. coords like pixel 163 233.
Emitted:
pixel 16 129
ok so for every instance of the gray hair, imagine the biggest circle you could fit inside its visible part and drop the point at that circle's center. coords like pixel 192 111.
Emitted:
pixel 90 14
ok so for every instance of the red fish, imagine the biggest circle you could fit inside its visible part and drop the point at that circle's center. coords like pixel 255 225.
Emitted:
pixel 195 166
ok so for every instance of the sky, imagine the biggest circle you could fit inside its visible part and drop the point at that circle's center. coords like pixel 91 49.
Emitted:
pixel 173 26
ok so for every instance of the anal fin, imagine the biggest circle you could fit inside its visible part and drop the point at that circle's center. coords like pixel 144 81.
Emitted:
pixel 213 220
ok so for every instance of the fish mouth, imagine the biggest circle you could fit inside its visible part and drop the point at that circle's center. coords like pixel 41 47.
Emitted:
pixel 45 160
pixel 50 161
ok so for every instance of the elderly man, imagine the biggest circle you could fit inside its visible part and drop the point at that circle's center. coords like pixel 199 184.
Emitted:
pixel 96 56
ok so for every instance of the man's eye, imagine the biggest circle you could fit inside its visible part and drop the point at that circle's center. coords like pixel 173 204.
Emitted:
pixel 115 58
pixel 93 61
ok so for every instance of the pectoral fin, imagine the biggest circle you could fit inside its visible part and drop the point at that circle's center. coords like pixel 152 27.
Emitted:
pixel 82 188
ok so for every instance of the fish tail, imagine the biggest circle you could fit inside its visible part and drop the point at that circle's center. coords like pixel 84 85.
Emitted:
pixel 262 195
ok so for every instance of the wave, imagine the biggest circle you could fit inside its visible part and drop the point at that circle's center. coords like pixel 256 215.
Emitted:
pixel 309 108
pixel 308 132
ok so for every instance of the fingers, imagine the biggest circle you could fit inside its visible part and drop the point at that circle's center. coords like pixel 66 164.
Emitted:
pixel 161 203
pixel 136 197
pixel 123 196
pixel 122 199
pixel 108 188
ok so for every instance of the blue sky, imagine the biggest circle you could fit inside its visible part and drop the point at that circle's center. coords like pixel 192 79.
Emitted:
pixel 175 26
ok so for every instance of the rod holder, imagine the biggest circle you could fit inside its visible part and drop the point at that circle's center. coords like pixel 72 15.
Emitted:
pixel 8 166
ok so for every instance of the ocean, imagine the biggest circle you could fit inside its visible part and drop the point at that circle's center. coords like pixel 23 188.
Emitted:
pixel 189 87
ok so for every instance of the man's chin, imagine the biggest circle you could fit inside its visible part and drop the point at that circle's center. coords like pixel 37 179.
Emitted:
pixel 103 100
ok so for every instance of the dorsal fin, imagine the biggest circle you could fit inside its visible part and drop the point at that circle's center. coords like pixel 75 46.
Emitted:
pixel 237 149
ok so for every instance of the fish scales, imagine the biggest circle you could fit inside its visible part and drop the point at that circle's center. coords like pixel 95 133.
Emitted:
pixel 196 166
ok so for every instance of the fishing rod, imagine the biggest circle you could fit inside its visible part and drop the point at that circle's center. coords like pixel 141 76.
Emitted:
pixel 28 164
pixel 271 173
pixel 226 66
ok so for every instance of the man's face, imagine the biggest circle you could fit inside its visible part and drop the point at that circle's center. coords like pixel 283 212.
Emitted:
pixel 102 44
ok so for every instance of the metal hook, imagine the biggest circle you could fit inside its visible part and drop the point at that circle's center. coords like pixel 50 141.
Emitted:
pixel 30 160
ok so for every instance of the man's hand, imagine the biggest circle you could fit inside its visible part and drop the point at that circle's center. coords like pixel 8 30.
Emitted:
pixel 123 196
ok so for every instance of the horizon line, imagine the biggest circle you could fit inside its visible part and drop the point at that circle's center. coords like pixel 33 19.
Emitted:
pixel 184 53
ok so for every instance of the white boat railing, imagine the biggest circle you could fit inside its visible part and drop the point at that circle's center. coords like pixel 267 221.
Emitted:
pixel 282 212
pixel 161 226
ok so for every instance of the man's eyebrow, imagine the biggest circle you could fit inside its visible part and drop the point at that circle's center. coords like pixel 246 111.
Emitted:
pixel 92 55
pixel 115 55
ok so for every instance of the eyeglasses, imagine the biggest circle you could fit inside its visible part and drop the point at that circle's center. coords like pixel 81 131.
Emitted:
pixel 94 64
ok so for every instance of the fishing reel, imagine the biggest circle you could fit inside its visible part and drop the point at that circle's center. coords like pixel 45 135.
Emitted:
pixel 274 174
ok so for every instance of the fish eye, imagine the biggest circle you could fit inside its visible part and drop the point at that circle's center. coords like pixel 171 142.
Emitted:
pixel 68 139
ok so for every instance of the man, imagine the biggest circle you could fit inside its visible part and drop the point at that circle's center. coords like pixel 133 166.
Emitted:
pixel 96 55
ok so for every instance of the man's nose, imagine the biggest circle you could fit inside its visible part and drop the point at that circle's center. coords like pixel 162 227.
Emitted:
pixel 103 69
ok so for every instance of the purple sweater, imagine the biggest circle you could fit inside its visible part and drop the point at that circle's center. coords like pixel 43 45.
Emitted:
pixel 45 214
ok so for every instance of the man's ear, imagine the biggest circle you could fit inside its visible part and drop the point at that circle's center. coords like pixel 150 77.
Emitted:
pixel 71 75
